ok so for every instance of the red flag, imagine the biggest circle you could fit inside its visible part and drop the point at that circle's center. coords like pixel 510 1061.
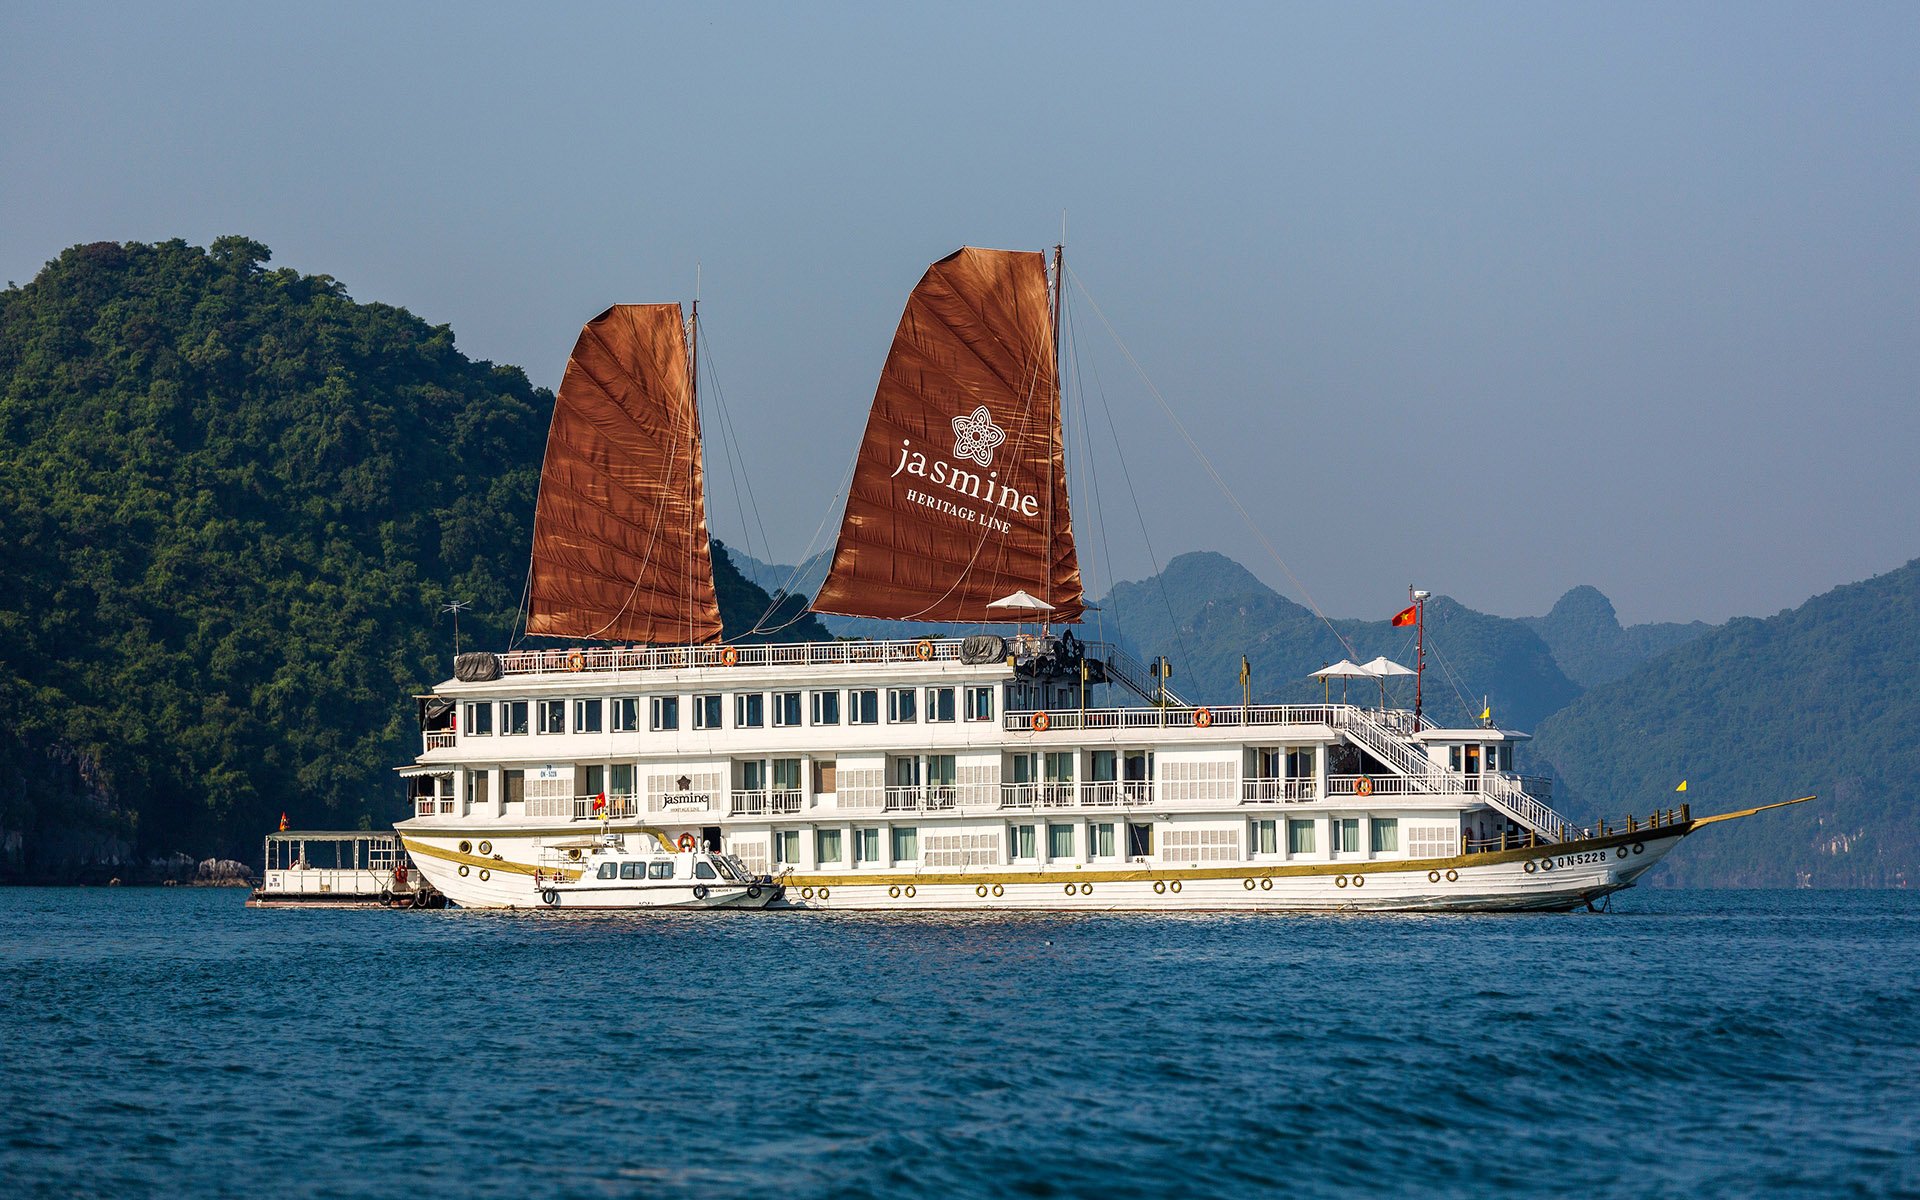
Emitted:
pixel 1409 615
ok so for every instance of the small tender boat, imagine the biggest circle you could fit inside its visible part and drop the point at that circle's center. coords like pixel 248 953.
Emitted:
pixel 605 872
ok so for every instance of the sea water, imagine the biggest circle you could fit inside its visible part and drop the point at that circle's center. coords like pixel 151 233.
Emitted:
pixel 172 1042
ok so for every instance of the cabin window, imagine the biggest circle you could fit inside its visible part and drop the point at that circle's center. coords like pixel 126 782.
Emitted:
pixel 1265 837
pixel 704 870
pixel 940 704
pixel 666 712
pixel 633 870
pixel 825 776
pixel 786 847
pixel 476 789
pixel 1346 832
pixel 553 716
pixel 753 775
pixel 786 708
pixel 1300 762
pixel 1100 839
pixel 1102 765
pixel 660 870
pixel 706 712
pixel 586 716
pixel 594 780
pixel 1139 840
pixel 1383 833
pixel 941 770
pixel 750 710
pixel 901 708
pixel 906 844
pixel 1025 842
pixel 1300 837
pixel 1060 766
pixel 625 713
pixel 621 783
pixel 866 846
pixel 479 720
pixel 1453 757
pixel 979 704
pixel 1025 768
pixel 513 786
pixel 513 718
pixel 826 708
pixel 1506 757
pixel 905 771
pixel 786 774
pixel 609 871
pixel 826 846
pixel 863 707
pixel 1059 841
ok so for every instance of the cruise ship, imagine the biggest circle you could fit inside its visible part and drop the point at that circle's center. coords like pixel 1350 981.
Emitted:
pixel 1019 767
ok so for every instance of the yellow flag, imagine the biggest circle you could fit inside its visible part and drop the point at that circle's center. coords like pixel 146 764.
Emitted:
pixel 1682 787
pixel 1486 714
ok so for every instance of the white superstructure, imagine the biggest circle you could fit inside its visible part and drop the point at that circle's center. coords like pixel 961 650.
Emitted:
pixel 895 775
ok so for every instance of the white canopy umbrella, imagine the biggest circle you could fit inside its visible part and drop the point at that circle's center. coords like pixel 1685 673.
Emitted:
pixel 1343 670
pixel 1021 602
pixel 1383 668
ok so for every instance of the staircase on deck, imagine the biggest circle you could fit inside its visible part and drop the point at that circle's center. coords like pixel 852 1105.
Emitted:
pixel 1378 734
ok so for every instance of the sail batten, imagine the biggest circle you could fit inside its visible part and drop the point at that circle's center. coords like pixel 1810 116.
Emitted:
pixel 620 547
pixel 959 495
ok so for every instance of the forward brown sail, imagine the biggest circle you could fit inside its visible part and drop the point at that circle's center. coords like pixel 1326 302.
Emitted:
pixel 620 546
pixel 959 495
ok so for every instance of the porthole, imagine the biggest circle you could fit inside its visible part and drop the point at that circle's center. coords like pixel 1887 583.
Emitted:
pixel 1339 881
pixel 1359 881
pixel 486 847
pixel 1073 889
pixel 1175 885
pixel 1248 884
pixel 823 893
pixel 894 891
pixel 466 847
pixel 1159 887
pixel 910 891
pixel 1433 877
pixel 1086 889
pixel 998 891
pixel 1453 876
pixel 981 891
pixel 1266 885
pixel 573 855
pixel 485 874
pixel 806 893
pixel 463 870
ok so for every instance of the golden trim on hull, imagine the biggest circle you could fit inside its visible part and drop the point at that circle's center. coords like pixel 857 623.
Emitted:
pixel 475 860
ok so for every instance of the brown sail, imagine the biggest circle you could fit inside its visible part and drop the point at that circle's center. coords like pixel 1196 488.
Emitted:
pixel 620 533
pixel 959 495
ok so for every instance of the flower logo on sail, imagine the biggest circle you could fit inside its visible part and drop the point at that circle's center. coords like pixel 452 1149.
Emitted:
pixel 977 437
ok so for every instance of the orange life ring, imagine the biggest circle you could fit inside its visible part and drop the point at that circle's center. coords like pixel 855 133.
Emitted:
pixel 576 660
pixel 1040 722
pixel 1202 718
pixel 688 842
pixel 924 649
pixel 730 657
pixel 1363 786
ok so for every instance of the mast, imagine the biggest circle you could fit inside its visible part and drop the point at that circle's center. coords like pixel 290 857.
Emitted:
pixel 1419 598
pixel 1059 403
pixel 693 397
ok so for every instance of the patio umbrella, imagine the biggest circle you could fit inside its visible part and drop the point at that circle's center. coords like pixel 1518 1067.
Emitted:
pixel 1381 668
pixel 1343 670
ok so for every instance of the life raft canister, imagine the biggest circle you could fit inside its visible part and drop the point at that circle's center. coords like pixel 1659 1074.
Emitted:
pixel 688 842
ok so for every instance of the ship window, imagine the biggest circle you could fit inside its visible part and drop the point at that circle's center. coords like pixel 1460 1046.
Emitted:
pixel 1103 766
pixel 702 870
pixel 1300 839
pixel 1384 834
pixel 866 846
pixel 706 712
pixel 786 847
pixel 609 870
pixel 1265 839
pixel 1453 757
pixel 1059 841
pixel 1506 757
pixel 625 713
pixel 622 779
pixel 940 704
pixel 660 870
pixel 553 716
pixel 1100 839
pixel 863 707
pixel 1025 767
pixel 826 708
pixel 753 774
pixel 1025 842
pixel 826 845
pixel 900 706
pixel 786 774
pixel 480 720
pixel 1347 829
pixel 633 870
pixel 1139 840
pixel 941 770
pixel 979 704
pixel 1060 766
pixel 586 716
pixel 906 844
pixel 786 708
pixel 750 710
pixel 513 717
pixel 666 712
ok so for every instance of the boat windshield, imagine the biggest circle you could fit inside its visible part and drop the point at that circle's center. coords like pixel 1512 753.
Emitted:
pixel 726 870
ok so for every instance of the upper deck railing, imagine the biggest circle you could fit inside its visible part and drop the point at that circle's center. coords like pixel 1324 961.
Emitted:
pixel 677 658
pixel 1236 717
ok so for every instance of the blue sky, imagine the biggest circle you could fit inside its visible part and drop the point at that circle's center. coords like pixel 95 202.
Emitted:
pixel 1494 298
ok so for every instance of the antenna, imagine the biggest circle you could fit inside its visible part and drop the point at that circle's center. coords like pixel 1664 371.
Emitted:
pixel 456 607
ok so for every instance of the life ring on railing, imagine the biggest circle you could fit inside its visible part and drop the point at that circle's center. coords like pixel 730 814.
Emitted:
pixel 1202 718
pixel 730 657
pixel 687 842
pixel 1363 786
pixel 1040 722
pixel 576 660
pixel 924 649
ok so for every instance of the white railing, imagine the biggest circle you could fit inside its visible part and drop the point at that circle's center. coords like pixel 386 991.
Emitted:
pixel 441 741
pixel 427 806
pixel 585 808
pixel 1510 796
pixel 674 658
pixel 1237 717
pixel 1042 795
pixel 759 801
pixel 1287 791
pixel 1376 785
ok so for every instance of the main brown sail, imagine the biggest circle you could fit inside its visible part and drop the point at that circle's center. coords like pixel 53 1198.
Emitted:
pixel 620 533
pixel 959 495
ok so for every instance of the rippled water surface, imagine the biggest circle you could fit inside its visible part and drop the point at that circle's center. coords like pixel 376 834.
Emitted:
pixel 1698 1044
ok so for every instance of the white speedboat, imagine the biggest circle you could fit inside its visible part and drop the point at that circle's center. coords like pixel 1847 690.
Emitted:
pixel 612 871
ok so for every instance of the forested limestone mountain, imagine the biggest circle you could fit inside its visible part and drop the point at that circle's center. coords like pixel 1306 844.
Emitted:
pixel 1592 647
pixel 232 501
pixel 1819 699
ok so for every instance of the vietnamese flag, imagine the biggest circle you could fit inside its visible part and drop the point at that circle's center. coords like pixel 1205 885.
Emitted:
pixel 1409 615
